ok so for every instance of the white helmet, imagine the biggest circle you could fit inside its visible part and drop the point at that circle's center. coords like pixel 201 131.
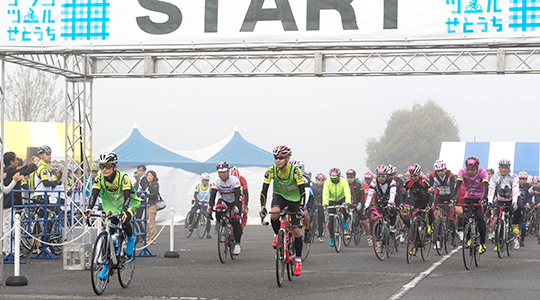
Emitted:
pixel 205 176
pixel 439 165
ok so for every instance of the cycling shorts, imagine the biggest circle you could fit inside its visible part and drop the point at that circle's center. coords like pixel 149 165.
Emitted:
pixel 279 201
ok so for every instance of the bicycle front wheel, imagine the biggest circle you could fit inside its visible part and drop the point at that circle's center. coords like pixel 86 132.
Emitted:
pixel 280 257
pixel 338 234
pixel 438 236
pixel 468 249
pixel 187 230
pixel 100 259
pixel 509 240
pixel 55 237
pixel 378 239
pixel 411 243
pixel 499 238
pixel 126 266
pixel 425 242
pixel 201 225
pixel 222 242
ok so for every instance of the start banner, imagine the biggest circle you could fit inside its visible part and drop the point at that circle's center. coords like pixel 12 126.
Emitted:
pixel 73 24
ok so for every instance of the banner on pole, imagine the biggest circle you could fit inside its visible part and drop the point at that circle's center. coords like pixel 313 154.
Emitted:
pixel 72 24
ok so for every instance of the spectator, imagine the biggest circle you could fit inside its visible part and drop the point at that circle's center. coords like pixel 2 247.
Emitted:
pixel 13 174
pixel 140 184
pixel 152 197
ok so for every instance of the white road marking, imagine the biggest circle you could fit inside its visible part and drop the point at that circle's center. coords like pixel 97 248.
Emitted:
pixel 412 284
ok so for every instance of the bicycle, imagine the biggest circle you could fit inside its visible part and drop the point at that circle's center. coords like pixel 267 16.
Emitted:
pixel 338 226
pixel 442 229
pixel 315 224
pixel 418 236
pixel 199 221
pixel 504 236
pixel 285 249
pixel 384 240
pixel 49 228
pixel 471 236
pixel 109 251
pixel 306 247
pixel 531 218
pixel 357 230
pixel 225 237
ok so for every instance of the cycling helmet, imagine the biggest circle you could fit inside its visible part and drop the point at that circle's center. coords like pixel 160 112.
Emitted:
pixel 368 175
pixel 415 168
pixel 95 167
pixel 351 172
pixel 381 170
pixel 537 179
pixel 472 161
pixel 222 166
pixel 393 170
pixel 108 158
pixel 205 176
pixel 296 163
pixel 320 176
pixel 308 174
pixel 44 150
pixel 335 172
pixel 439 165
pixel 282 150
pixel 523 175
pixel 505 162
pixel 235 173
pixel 490 171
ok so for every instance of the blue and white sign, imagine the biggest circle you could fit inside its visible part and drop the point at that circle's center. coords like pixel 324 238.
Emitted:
pixel 75 24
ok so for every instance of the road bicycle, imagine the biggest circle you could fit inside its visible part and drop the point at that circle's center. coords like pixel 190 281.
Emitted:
pixel 471 235
pixel 338 225
pixel 225 236
pixel 49 228
pixel 504 235
pixel 315 224
pixel 199 221
pixel 357 230
pixel 384 239
pixel 285 249
pixel 442 231
pixel 419 237
pixel 110 252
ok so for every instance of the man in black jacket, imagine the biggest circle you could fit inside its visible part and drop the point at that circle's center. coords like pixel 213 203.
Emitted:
pixel 11 163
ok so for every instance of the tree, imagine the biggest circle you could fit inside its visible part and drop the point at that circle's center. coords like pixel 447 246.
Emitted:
pixel 32 96
pixel 413 136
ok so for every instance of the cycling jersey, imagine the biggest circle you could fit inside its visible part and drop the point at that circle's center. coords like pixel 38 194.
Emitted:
pixel 444 185
pixel 317 193
pixel 288 183
pixel 381 194
pixel 535 191
pixel 419 190
pixel 474 185
pixel 202 193
pixel 524 192
pixel 357 192
pixel 112 193
pixel 37 178
pixel 226 188
pixel 503 188
pixel 336 192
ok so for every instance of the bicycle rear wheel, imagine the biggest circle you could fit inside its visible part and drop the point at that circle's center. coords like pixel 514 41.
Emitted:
pixel 55 237
pixel 126 266
pixel 292 256
pixel 476 248
pixel 468 249
pixel 100 259
pixel 306 247
pixel 338 234
pixel 509 240
pixel 358 231
pixel 411 243
pixel 201 225
pixel 230 238
pixel 425 242
pixel 499 238
pixel 222 242
pixel 280 257
pixel 187 232
pixel 378 239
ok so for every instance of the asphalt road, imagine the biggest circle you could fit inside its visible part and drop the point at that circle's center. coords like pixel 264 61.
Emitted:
pixel 352 274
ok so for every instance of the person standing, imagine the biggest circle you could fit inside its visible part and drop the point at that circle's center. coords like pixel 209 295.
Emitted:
pixel 152 197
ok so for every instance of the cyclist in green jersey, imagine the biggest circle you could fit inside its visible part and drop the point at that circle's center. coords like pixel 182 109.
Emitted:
pixel 117 196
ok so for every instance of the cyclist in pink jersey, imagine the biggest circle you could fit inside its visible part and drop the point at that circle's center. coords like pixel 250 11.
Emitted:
pixel 475 181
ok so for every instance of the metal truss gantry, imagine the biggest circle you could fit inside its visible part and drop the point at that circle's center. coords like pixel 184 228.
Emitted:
pixel 81 67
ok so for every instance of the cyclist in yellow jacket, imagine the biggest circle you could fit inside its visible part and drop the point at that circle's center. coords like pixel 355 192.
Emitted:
pixel 336 191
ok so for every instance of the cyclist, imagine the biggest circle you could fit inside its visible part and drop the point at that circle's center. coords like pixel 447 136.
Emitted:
pixel 490 173
pixel 117 196
pixel 244 196
pixel 382 193
pixel 317 196
pixel 202 194
pixel 419 188
pixel 358 200
pixel 504 188
pixel 475 181
pixel 308 206
pixel 41 180
pixel 228 187
pixel 399 184
pixel 443 183
pixel 336 191
pixel 524 187
pixel 289 191
pixel 367 181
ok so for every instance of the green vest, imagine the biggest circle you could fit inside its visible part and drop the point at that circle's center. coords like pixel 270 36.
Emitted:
pixel 288 188
pixel 114 201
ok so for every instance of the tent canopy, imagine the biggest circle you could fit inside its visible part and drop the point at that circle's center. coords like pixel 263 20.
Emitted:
pixel 523 156
pixel 21 135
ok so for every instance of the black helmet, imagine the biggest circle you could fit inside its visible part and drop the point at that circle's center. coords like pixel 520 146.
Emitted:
pixel 222 166
pixel 351 172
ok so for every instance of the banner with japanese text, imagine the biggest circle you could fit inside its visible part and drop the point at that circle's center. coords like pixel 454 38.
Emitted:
pixel 72 24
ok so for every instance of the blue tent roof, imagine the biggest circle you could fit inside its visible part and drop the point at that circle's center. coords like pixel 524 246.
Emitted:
pixel 241 153
pixel 138 150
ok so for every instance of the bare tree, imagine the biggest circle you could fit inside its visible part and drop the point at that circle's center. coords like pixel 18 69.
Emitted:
pixel 33 96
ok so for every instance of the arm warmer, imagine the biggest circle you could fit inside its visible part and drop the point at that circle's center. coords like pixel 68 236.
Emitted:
pixel 264 192
pixel 213 194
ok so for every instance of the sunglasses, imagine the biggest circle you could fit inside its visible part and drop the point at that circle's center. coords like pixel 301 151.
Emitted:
pixel 279 157
pixel 381 176
pixel 107 166
pixel 440 171
pixel 351 177
pixel 414 175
